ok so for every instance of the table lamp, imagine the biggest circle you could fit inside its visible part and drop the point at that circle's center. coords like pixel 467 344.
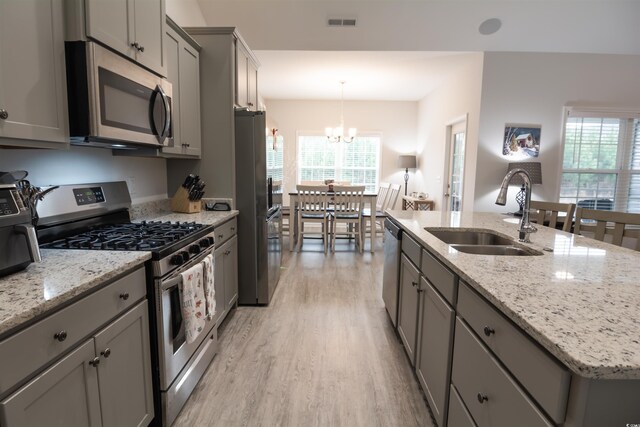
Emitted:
pixel 406 162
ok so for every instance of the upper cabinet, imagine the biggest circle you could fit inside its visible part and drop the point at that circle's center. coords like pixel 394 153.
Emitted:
pixel 183 71
pixel 33 94
pixel 134 28
pixel 246 77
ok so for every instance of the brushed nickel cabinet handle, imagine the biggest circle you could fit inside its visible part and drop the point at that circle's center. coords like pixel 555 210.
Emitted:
pixel 482 398
pixel 4 114
pixel 124 296
pixel 141 48
pixel 106 353
pixel 61 336
pixel 135 45
pixel 488 331
pixel 94 362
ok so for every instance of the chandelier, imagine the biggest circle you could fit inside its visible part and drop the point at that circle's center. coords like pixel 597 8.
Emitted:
pixel 337 134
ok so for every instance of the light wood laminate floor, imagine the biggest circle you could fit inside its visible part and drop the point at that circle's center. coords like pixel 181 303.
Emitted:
pixel 322 353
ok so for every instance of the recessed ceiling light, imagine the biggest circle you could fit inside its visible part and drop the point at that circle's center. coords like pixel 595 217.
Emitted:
pixel 490 26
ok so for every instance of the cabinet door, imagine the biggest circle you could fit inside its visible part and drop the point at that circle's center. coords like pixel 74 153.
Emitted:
pixel 221 302
pixel 173 47
pixel 111 22
pixel 242 90
pixel 433 364
pixel 409 304
pixel 149 34
pixel 252 85
pixel 124 372
pixel 32 73
pixel 231 272
pixel 190 99
pixel 64 395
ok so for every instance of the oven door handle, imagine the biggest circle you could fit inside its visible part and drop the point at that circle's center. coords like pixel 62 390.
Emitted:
pixel 171 283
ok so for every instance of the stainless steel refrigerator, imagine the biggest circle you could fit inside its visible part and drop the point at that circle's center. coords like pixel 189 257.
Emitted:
pixel 260 218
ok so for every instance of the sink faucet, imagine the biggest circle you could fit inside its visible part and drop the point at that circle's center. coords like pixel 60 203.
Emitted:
pixel 526 227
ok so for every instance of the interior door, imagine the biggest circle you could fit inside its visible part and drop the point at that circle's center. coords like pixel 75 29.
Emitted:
pixel 455 166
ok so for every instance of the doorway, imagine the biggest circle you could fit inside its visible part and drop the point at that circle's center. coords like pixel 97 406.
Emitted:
pixel 454 167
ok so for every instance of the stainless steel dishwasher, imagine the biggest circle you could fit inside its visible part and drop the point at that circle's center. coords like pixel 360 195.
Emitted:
pixel 390 275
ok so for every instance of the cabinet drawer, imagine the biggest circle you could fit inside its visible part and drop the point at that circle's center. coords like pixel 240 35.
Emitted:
pixel 544 378
pixel 225 231
pixel 440 277
pixel 32 348
pixel 411 248
pixel 490 394
pixel 458 414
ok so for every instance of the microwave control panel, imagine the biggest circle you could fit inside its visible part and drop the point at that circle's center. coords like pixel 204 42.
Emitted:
pixel 88 196
pixel 8 205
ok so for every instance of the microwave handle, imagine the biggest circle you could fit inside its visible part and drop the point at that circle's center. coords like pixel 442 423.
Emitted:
pixel 167 110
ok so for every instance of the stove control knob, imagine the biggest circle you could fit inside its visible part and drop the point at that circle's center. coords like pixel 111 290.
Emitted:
pixel 204 243
pixel 194 249
pixel 185 255
pixel 211 241
pixel 177 260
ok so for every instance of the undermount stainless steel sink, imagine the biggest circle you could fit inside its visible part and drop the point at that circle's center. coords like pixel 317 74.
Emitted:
pixel 454 236
pixel 496 250
pixel 481 242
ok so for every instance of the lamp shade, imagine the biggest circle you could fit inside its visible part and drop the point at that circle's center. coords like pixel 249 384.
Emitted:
pixel 534 169
pixel 407 162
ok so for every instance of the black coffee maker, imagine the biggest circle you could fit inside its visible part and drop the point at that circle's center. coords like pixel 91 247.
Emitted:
pixel 18 238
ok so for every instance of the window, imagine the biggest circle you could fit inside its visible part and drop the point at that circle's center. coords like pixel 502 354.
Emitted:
pixel 357 162
pixel 275 160
pixel 601 162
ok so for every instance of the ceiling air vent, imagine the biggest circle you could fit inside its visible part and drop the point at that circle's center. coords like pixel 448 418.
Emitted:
pixel 341 22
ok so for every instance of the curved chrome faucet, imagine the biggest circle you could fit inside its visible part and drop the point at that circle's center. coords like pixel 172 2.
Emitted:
pixel 526 227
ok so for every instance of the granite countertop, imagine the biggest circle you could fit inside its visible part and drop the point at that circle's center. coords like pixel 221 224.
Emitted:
pixel 581 302
pixel 62 276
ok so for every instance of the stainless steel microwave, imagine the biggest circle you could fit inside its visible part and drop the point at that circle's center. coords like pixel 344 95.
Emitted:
pixel 113 102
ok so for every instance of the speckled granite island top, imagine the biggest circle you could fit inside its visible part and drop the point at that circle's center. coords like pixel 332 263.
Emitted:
pixel 214 218
pixel 60 277
pixel 581 302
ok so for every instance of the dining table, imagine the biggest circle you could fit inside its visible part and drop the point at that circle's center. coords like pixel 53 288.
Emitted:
pixel 369 200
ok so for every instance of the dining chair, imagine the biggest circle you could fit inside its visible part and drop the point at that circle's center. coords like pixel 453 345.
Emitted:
pixel 547 213
pixel 394 191
pixel 312 208
pixel 347 209
pixel 608 223
pixel 381 205
pixel 286 220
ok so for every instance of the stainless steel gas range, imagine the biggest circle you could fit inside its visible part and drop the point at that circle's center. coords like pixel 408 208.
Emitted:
pixel 96 217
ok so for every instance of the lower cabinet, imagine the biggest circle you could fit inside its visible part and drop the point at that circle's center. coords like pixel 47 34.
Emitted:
pixel 106 381
pixel 408 307
pixel 435 344
pixel 226 269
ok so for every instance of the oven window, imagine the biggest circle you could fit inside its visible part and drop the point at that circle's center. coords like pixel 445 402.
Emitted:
pixel 124 103
pixel 178 337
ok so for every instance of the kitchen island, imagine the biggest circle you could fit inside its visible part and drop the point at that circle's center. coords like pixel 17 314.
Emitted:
pixel 577 298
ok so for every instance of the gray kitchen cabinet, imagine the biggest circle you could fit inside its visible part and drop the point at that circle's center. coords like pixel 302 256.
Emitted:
pixel 66 394
pixel 226 269
pixel 183 71
pixel 435 344
pixel 409 306
pixel 135 28
pixel 246 78
pixel 64 372
pixel 491 395
pixel 33 94
pixel 125 365
pixel 458 416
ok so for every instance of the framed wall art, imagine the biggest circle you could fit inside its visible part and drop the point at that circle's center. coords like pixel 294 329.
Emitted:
pixel 521 141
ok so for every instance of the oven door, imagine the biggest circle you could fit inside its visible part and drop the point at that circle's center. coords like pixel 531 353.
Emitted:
pixel 174 351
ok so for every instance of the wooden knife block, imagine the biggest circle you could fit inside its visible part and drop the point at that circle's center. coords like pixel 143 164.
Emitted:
pixel 181 203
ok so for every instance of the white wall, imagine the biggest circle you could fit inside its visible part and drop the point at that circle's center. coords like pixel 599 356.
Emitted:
pixel 147 178
pixel 533 88
pixel 457 97
pixel 186 13
pixel 396 121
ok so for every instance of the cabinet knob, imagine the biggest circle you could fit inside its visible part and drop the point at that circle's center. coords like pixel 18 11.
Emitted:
pixel 220 236
pixel 61 336
pixel 414 284
pixel 124 296
pixel 482 398
pixel 233 229
pixel 250 104
pixel 106 353
pixel 488 331
pixel 135 45
pixel 94 362
pixel 141 48
pixel 4 114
